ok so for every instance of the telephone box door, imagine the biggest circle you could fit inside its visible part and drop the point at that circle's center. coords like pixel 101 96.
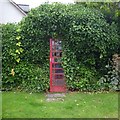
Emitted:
pixel 57 79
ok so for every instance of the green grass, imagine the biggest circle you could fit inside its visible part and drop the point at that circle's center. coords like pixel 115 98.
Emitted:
pixel 75 105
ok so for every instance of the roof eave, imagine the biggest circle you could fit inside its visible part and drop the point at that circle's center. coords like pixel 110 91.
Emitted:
pixel 18 7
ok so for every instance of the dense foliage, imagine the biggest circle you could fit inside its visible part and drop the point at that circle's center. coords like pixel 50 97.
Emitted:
pixel 88 43
pixel 16 72
pixel 11 50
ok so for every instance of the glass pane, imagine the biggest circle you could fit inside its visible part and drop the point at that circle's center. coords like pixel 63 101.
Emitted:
pixel 53 65
pixel 53 47
pixel 54 76
pixel 58 82
pixel 58 65
pixel 53 42
pixel 58 54
pixel 58 59
pixel 58 76
pixel 58 47
pixel 53 54
pixel 57 71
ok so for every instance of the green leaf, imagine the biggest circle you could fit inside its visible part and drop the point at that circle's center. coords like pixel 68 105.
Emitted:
pixel 18 37
pixel 18 60
pixel 18 44
pixel 17 51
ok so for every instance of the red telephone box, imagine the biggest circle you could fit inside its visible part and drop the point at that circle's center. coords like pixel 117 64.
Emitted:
pixel 57 79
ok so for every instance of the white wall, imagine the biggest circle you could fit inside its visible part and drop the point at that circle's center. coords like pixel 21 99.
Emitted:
pixel 9 13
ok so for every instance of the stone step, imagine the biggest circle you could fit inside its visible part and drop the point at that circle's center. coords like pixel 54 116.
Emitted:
pixel 55 95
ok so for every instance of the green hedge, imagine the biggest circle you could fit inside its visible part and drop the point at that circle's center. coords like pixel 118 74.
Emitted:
pixel 88 39
pixel 88 43
pixel 27 77
pixel 16 72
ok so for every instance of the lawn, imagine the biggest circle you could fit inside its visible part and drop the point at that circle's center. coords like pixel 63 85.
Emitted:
pixel 75 105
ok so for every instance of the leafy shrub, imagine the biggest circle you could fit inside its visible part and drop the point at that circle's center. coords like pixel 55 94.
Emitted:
pixel 11 52
pixel 87 38
pixel 111 80
pixel 27 77
pixel 8 44
pixel 91 40
pixel 78 76
pixel 15 72
pixel 88 42
pixel 33 78
pixel 11 48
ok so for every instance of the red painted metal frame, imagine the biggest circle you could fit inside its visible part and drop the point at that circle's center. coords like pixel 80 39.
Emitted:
pixel 55 88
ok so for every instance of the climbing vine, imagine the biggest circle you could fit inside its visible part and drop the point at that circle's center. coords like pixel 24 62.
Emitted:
pixel 88 44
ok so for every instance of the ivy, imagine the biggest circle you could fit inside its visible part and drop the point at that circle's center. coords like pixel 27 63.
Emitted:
pixel 88 40
pixel 88 43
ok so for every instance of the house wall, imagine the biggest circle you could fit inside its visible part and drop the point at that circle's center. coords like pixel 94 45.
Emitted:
pixel 9 13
